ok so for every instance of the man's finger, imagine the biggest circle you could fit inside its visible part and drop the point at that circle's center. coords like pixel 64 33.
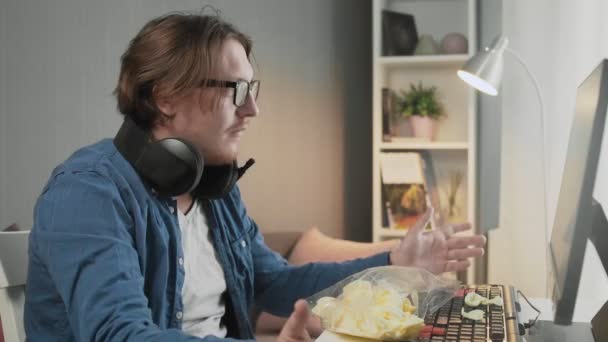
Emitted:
pixel 464 253
pixel 466 241
pixel 459 265
pixel 439 243
pixel 461 227
pixel 452 229
pixel 295 327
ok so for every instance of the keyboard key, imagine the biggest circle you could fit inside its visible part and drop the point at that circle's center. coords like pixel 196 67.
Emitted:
pixel 438 331
pixel 427 328
pixel 480 332
pixel 424 335
pixel 497 335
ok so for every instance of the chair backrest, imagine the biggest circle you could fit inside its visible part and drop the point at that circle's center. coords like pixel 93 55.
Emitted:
pixel 13 273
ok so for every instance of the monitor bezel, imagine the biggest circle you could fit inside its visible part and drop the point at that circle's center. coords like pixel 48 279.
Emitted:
pixel 566 285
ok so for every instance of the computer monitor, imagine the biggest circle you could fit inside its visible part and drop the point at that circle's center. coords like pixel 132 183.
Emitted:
pixel 578 216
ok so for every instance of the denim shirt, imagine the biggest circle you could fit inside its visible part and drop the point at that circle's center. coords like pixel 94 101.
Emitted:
pixel 106 260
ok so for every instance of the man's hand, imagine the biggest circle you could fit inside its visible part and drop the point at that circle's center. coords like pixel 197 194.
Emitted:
pixel 439 250
pixel 294 329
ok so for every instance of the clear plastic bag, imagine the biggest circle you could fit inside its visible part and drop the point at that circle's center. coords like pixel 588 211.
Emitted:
pixel 384 303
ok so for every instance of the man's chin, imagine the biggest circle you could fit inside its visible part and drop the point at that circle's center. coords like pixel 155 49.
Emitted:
pixel 221 160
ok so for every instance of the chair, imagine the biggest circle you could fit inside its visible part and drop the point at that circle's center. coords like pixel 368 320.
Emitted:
pixel 13 272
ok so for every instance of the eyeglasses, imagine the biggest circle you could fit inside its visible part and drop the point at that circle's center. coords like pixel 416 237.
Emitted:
pixel 241 89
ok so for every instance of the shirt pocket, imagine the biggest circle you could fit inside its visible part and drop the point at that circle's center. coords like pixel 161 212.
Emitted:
pixel 243 264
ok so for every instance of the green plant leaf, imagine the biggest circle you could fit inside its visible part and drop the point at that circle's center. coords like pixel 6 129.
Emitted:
pixel 420 100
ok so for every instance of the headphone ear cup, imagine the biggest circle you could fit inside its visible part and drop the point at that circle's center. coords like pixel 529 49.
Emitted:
pixel 172 166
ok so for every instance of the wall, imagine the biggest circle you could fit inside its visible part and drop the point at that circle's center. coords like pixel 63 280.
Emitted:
pixel 516 254
pixel 59 63
pixel 561 41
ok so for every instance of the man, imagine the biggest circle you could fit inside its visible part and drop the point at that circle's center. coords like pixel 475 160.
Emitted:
pixel 116 257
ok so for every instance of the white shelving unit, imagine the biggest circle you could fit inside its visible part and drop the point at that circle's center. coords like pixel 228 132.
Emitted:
pixel 455 147
pixel 421 61
pixel 423 145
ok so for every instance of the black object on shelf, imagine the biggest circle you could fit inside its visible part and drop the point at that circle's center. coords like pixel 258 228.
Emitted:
pixel 12 228
pixel 399 34
pixel 387 113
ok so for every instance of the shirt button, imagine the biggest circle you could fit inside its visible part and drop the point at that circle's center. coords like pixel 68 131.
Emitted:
pixel 179 315
pixel 172 210
pixel 243 243
pixel 180 261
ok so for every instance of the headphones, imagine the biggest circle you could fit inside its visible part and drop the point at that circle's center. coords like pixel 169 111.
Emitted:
pixel 173 166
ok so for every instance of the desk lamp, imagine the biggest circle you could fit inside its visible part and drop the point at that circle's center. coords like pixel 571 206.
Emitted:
pixel 483 72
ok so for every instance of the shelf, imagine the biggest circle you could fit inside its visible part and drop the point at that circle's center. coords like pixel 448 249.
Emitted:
pixel 414 144
pixel 418 61
pixel 454 150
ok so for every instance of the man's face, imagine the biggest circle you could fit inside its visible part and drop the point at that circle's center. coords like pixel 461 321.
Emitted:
pixel 208 117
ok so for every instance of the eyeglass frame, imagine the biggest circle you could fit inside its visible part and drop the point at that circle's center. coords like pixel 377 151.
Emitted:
pixel 235 85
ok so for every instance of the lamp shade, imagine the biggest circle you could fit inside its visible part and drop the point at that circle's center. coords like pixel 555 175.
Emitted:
pixel 483 71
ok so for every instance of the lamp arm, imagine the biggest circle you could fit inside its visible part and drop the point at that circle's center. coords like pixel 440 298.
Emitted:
pixel 543 157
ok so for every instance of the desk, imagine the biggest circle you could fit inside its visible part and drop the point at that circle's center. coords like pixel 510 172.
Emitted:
pixel 544 331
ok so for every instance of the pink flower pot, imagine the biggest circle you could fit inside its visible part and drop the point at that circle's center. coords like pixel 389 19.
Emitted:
pixel 423 127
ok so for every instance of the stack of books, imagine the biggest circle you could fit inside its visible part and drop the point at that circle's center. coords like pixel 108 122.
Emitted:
pixel 408 189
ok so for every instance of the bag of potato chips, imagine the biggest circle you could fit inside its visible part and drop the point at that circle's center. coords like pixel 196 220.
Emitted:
pixel 383 303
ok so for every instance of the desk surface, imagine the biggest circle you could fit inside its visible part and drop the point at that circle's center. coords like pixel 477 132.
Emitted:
pixel 544 331
pixel 328 336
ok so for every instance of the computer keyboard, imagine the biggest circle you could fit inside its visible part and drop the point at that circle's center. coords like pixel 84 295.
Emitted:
pixel 447 324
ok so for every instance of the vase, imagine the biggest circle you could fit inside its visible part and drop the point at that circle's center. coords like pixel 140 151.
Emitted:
pixel 426 46
pixel 423 127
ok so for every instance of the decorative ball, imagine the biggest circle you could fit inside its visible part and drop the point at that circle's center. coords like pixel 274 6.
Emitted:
pixel 454 43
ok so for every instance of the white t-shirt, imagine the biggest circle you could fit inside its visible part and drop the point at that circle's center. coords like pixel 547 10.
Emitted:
pixel 204 281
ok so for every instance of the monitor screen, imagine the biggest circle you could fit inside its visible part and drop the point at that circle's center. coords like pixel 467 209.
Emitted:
pixel 573 218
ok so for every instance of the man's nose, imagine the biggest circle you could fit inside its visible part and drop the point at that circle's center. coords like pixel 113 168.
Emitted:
pixel 250 108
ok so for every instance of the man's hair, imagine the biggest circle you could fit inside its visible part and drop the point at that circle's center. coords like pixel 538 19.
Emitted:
pixel 171 54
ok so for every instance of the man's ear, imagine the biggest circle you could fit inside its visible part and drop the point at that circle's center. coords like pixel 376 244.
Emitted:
pixel 165 104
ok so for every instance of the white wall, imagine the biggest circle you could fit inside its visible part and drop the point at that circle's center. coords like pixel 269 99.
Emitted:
pixel 59 62
pixel 562 41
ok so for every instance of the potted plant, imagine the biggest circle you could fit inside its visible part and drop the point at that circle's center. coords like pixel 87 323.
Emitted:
pixel 421 106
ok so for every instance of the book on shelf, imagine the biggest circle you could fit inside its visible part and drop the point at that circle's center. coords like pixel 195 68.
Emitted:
pixel 388 108
pixel 408 189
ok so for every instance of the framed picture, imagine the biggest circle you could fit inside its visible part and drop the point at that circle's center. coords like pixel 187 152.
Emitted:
pixel 399 34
